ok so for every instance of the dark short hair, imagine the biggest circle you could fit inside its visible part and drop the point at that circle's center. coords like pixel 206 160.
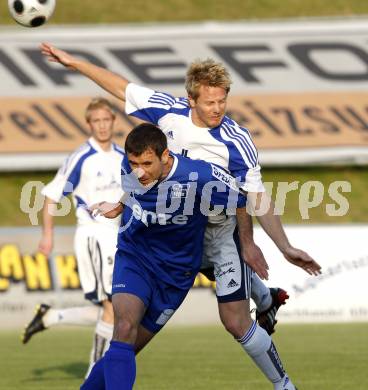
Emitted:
pixel 143 137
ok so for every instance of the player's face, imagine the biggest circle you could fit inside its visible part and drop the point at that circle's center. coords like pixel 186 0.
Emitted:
pixel 150 167
pixel 209 108
pixel 101 123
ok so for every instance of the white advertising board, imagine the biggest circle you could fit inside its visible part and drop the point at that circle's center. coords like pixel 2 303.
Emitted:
pixel 341 292
pixel 300 87
pixel 338 295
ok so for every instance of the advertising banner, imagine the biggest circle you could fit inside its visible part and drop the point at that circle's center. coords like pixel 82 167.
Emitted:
pixel 300 87
pixel 339 294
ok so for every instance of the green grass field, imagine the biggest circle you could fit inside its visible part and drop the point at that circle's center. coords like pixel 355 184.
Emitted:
pixel 12 183
pixel 323 357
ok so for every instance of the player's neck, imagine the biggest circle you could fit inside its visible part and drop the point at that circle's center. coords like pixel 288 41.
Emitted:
pixel 196 120
pixel 105 146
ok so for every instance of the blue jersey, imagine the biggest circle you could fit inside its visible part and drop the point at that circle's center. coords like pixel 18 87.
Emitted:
pixel 163 228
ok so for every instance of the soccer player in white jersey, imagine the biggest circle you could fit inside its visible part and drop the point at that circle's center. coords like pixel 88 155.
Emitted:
pixel 197 127
pixel 91 174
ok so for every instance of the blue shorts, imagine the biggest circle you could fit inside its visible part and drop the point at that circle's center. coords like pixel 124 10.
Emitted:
pixel 160 299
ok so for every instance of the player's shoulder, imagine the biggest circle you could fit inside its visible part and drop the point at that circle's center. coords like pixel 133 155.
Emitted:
pixel 125 167
pixel 78 156
pixel 84 147
pixel 187 164
pixel 239 141
pixel 171 104
pixel 118 149
pixel 181 103
pixel 229 125
pixel 168 101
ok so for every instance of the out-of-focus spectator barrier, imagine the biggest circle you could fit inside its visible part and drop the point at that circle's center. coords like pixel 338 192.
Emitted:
pixel 300 87
pixel 339 294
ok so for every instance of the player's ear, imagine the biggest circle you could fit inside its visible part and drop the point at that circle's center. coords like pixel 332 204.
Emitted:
pixel 165 156
pixel 89 126
pixel 192 102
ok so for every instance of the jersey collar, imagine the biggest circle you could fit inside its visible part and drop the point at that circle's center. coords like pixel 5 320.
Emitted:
pixel 195 126
pixel 204 128
pixel 97 147
pixel 173 168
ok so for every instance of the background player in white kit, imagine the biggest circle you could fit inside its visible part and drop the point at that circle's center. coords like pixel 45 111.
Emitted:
pixel 198 128
pixel 91 174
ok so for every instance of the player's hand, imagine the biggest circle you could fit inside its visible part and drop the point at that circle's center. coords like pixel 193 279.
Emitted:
pixel 106 209
pixel 303 260
pixel 56 55
pixel 253 256
pixel 45 246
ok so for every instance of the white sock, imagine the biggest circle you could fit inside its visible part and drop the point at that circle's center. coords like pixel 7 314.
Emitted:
pixel 85 315
pixel 101 343
pixel 259 346
pixel 260 293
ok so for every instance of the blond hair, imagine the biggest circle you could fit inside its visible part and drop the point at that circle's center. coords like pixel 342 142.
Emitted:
pixel 206 72
pixel 98 103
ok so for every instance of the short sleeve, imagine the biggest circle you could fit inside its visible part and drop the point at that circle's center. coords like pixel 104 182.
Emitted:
pixel 147 104
pixel 68 176
pixel 252 180
pixel 54 190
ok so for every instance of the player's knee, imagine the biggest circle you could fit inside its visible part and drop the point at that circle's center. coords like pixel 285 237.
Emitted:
pixel 125 330
pixel 236 326
pixel 233 327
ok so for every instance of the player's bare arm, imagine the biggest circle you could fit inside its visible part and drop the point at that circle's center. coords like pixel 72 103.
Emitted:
pixel 106 79
pixel 106 209
pixel 251 253
pixel 264 209
pixel 47 239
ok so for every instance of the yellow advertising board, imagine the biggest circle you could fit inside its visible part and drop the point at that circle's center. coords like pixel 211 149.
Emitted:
pixel 304 120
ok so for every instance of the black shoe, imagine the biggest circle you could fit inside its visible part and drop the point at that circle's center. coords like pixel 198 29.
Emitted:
pixel 267 319
pixel 36 324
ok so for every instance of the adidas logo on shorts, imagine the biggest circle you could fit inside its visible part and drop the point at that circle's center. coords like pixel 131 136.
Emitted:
pixel 232 283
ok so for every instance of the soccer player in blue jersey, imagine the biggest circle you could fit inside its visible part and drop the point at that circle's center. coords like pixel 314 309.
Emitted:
pixel 160 244
pixel 197 127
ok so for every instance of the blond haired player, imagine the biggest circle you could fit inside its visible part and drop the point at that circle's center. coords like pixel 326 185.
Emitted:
pixel 91 174
pixel 197 127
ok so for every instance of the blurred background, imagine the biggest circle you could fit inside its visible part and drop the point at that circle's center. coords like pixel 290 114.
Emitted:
pixel 300 82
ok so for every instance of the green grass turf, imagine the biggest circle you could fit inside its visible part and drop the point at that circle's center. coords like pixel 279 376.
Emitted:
pixel 11 185
pixel 356 176
pixel 123 11
pixel 324 357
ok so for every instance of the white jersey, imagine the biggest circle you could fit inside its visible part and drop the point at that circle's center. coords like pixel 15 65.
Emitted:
pixel 228 145
pixel 91 175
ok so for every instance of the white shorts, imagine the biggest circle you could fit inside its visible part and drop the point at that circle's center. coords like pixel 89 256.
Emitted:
pixel 95 247
pixel 222 251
